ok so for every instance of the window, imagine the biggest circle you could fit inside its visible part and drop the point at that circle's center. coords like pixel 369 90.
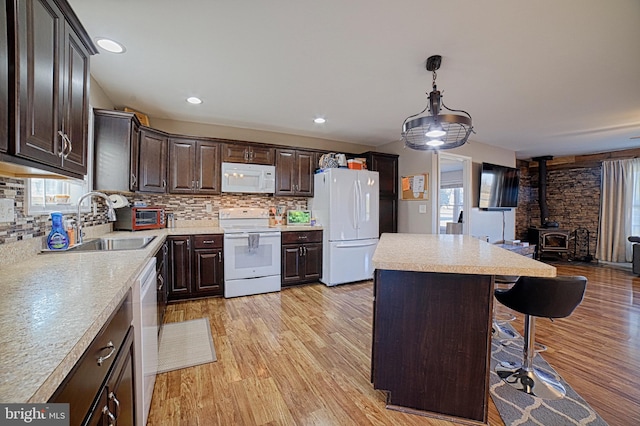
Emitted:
pixel 635 205
pixel 48 195
pixel 451 203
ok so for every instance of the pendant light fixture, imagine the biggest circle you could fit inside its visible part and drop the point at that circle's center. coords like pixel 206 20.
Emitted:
pixel 436 131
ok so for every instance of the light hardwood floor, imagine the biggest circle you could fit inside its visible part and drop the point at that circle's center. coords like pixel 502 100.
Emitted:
pixel 302 357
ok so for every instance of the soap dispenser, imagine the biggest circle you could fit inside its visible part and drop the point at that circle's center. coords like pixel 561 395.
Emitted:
pixel 58 238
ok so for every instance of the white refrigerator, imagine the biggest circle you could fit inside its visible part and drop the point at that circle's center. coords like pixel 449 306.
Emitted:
pixel 345 203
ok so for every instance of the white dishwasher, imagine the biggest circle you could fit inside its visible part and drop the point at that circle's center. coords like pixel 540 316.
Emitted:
pixel 145 325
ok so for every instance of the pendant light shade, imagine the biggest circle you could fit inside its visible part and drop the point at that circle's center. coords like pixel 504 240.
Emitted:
pixel 435 131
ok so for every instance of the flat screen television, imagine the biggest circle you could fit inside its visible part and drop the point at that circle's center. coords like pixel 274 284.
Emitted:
pixel 498 187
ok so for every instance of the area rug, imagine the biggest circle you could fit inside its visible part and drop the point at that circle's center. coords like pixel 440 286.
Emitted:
pixel 185 344
pixel 519 408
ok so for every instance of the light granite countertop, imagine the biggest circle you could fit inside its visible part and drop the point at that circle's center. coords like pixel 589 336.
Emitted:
pixel 457 254
pixel 54 304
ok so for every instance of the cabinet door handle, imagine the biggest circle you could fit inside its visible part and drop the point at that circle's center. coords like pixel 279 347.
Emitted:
pixel 161 279
pixel 134 180
pixel 66 144
pixel 193 184
pixel 246 154
pixel 102 359
pixel 300 250
pixel 305 250
pixel 197 184
pixel 63 144
pixel 112 397
pixel 164 183
pixel 220 257
pixel 111 418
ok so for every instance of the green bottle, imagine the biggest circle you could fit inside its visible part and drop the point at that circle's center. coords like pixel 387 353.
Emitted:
pixel 58 238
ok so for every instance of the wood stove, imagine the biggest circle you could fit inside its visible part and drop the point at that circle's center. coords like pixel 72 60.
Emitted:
pixel 549 240
pixel 548 237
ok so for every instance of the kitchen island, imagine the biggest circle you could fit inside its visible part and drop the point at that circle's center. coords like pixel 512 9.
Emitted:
pixel 433 300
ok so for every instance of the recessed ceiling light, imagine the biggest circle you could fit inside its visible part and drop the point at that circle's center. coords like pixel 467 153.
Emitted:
pixel 110 45
pixel 319 120
pixel 194 100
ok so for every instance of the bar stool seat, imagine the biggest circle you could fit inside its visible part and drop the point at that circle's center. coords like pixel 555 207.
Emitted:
pixel 538 297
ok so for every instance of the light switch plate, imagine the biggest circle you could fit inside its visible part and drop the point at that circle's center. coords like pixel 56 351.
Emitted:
pixel 7 210
pixel 422 208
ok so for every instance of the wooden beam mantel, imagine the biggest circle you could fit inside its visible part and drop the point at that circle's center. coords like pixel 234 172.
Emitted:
pixel 587 160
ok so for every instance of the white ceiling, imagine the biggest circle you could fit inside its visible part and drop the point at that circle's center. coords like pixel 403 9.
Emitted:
pixel 543 77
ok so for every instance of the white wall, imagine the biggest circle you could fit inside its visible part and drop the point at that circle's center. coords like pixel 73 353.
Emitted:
pixel 410 162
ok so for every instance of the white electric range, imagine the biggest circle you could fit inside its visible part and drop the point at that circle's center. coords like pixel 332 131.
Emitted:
pixel 251 252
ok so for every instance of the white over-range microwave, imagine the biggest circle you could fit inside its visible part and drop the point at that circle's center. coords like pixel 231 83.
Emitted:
pixel 249 178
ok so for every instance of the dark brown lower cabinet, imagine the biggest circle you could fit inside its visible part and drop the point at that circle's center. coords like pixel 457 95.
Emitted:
pixel 100 388
pixel 196 266
pixel 116 404
pixel 301 257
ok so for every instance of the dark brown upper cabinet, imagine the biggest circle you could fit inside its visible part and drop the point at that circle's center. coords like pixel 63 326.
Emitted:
pixel 52 80
pixel 194 166
pixel 294 172
pixel 247 153
pixel 153 161
pixel 116 137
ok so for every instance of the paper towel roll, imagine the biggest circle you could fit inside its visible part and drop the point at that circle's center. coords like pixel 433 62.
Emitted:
pixel 118 201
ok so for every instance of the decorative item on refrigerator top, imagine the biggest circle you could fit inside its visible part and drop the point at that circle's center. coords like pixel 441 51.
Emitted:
pixel 329 161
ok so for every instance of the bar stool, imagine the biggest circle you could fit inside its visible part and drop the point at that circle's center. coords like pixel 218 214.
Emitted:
pixel 538 297
pixel 498 330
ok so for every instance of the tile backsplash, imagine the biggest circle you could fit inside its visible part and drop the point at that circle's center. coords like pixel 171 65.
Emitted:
pixel 185 207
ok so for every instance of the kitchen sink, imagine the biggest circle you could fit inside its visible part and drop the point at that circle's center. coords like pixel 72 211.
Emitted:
pixel 110 244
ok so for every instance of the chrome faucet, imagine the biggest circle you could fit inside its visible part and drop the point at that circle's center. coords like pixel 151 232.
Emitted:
pixel 111 213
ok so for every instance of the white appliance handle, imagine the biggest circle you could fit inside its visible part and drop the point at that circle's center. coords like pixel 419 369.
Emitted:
pixel 360 202
pixel 355 204
pixel 348 245
pixel 246 235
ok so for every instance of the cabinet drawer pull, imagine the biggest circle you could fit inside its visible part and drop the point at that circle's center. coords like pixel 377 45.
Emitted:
pixel 208 242
pixel 303 237
pixel 112 348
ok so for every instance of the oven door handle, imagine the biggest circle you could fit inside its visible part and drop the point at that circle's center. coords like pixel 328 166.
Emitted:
pixel 349 245
pixel 242 236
